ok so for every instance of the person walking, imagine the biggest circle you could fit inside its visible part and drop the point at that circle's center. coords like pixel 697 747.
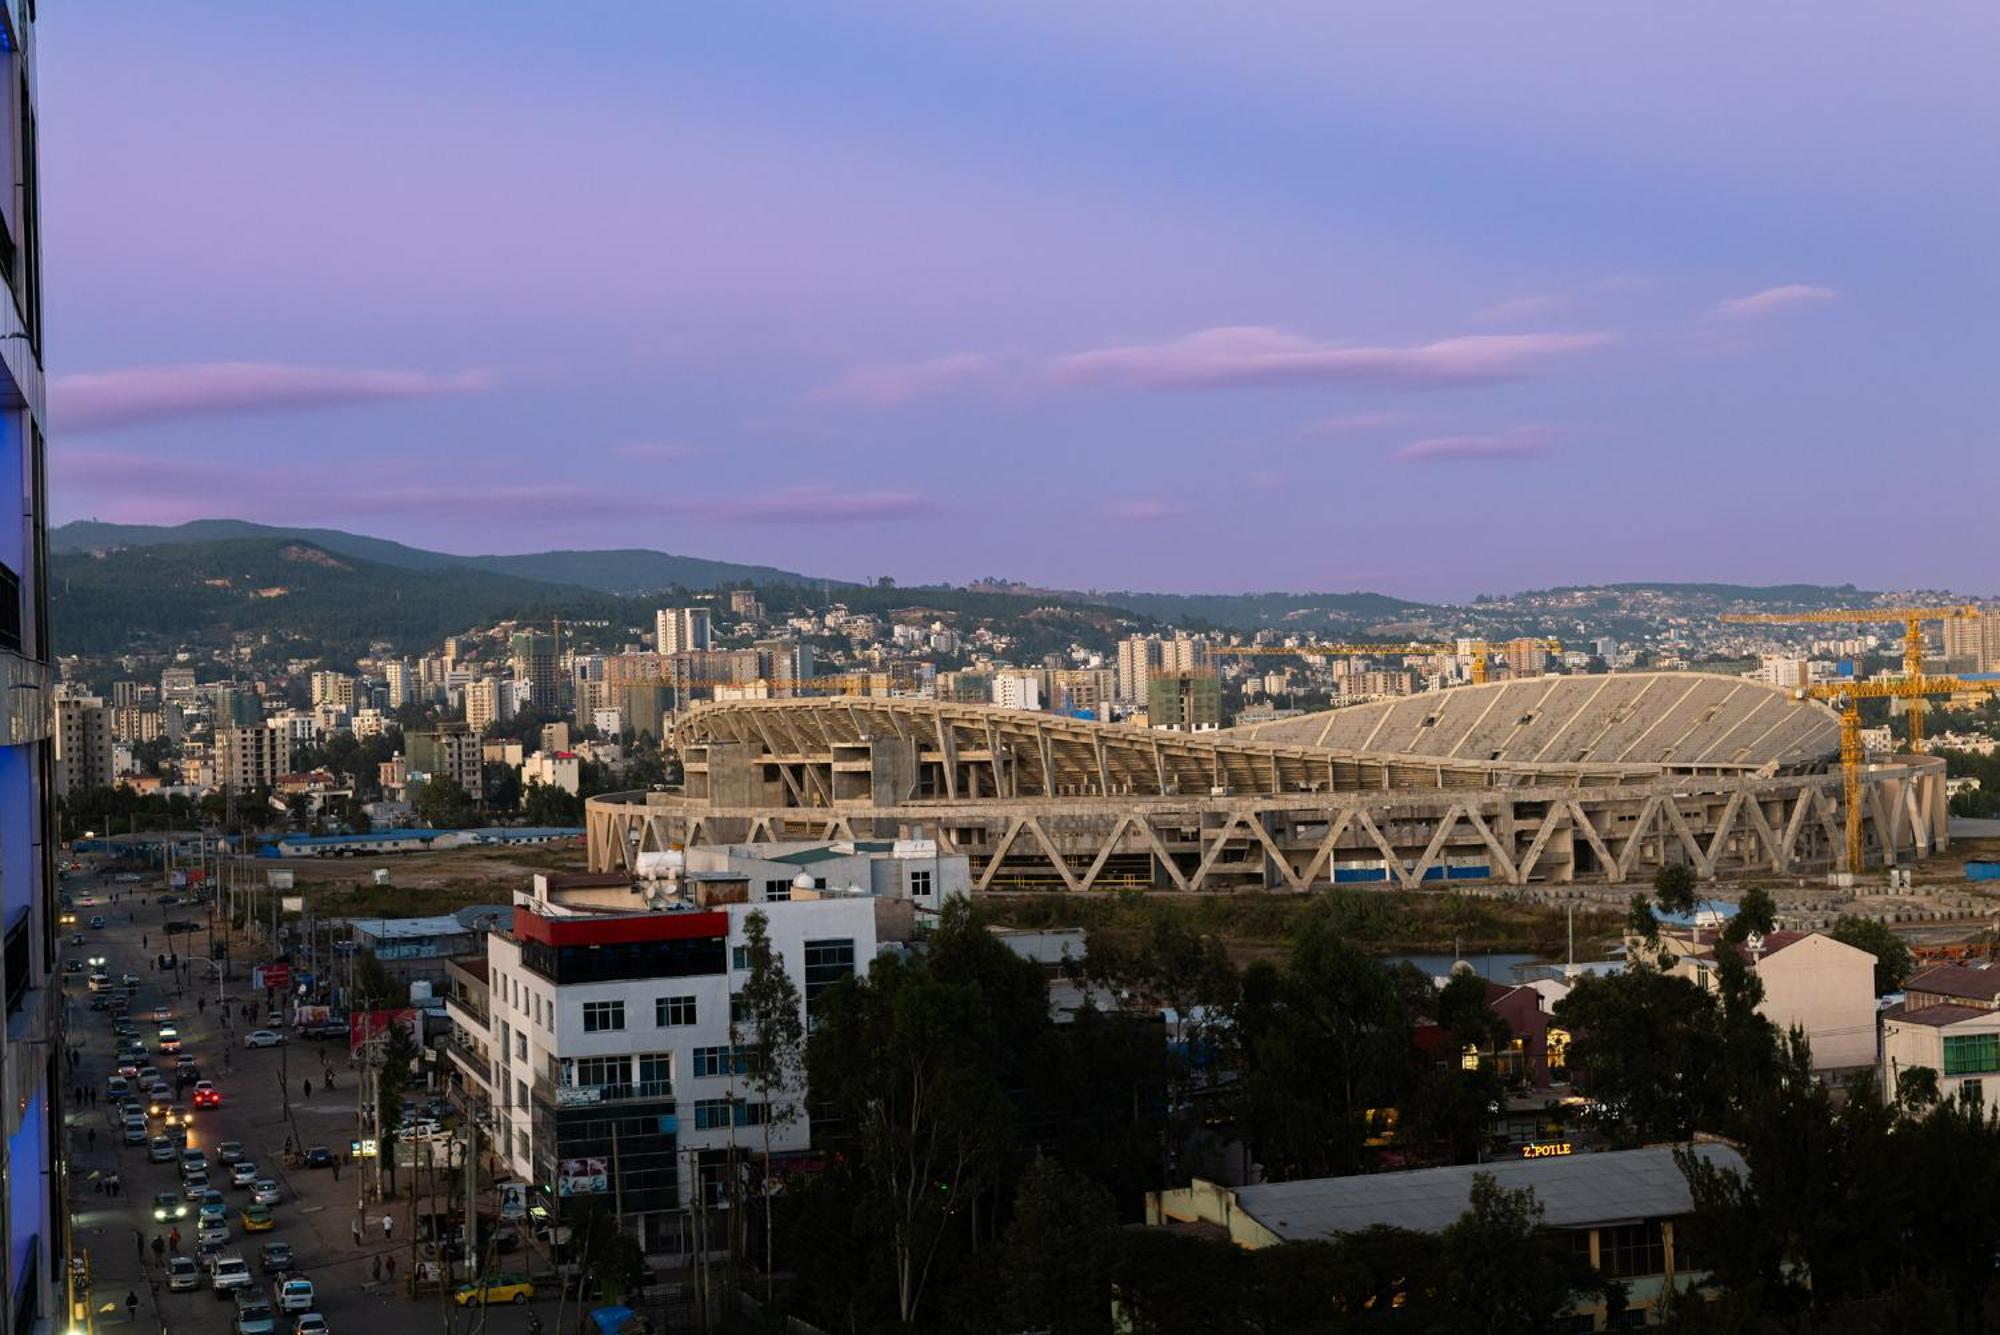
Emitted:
pixel 131 1306
pixel 159 1247
pixel 139 1241
pixel 390 1262
pixel 388 1227
pixel 357 1228
pixel 174 1241
pixel 309 1088
pixel 378 1268
pixel 92 1137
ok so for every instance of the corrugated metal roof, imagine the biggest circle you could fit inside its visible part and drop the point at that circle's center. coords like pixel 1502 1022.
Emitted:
pixel 1576 1191
pixel 1938 1017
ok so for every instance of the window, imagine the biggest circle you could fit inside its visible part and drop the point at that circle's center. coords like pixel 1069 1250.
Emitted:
pixel 602 1070
pixel 920 885
pixel 739 958
pixel 1971 1054
pixel 1631 1250
pixel 673 1011
pixel 538 1007
pixel 520 1046
pixel 656 1071
pixel 712 1062
pixel 602 1016
pixel 749 1114
pixel 1973 1092
pixel 739 1012
pixel 777 892
pixel 827 962
pixel 520 1093
pixel 710 1114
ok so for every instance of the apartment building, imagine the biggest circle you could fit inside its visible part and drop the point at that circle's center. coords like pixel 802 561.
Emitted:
pixel 335 689
pixel 250 758
pixel 603 1050
pixel 1184 701
pixel 450 750
pixel 482 704
pixel 533 656
pixel 679 630
pixel 1948 1023
pixel 83 753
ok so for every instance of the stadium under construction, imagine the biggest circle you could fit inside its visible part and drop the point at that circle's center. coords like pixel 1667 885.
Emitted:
pixel 1542 780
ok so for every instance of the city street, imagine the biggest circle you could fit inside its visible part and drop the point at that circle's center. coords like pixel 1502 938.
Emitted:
pixel 260 1089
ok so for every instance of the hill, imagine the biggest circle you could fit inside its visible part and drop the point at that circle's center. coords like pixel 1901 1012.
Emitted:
pixel 163 596
pixel 620 570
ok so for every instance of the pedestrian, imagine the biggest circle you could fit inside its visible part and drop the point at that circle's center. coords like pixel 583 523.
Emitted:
pixel 93 1140
pixel 132 1306
pixel 390 1261
pixel 388 1226
pixel 357 1232
pixel 201 1004
pixel 142 941
pixel 174 1241
pixel 336 1168
pixel 159 1247
pixel 309 1088
pixel 378 1268
pixel 139 1241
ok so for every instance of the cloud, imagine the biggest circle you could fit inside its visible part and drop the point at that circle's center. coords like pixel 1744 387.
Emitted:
pixel 1520 308
pixel 89 401
pixel 1774 299
pixel 1353 424
pixel 1521 442
pixel 1259 355
pixel 812 505
pixel 1141 511
pixel 893 386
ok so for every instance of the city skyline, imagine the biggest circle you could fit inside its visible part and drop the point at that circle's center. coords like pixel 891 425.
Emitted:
pixel 1428 306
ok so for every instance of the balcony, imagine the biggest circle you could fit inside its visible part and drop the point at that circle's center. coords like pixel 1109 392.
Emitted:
pixel 467 1013
pixel 553 1095
pixel 474 1063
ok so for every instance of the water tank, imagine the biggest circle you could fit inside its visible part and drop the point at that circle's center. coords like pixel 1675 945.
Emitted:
pixel 420 992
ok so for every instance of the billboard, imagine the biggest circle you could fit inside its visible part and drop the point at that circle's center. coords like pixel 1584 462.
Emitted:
pixel 279 880
pixel 364 1025
pixel 582 1177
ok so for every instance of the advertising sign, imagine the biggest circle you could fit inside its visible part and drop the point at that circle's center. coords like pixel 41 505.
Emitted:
pixel 513 1200
pixel 582 1177
pixel 292 903
pixel 277 977
pixel 364 1025
pixel 280 880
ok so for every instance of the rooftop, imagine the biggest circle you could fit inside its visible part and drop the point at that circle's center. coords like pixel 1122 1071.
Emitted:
pixel 406 929
pixel 1936 1017
pixel 1575 1191
pixel 1957 980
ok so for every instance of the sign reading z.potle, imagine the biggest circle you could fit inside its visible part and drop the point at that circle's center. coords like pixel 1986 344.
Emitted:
pixel 1553 1150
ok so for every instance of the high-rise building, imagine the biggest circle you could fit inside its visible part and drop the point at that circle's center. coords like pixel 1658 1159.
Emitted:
pixel 1017 690
pixel 1138 656
pixel 1972 644
pixel 533 655
pixel 1184 701
pixel 681 630
pixel 401 679
pixel 83 745
pixel 34 1141
pixel 449 750
pixel 177 684
pixel 333 688
pixel 482 704
pixel 743 602
pixel 251 758
pixel 124 693
pixel 1527 656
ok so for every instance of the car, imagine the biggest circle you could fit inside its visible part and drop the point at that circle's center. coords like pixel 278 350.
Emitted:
pixel 295 1295
pixel 178 1135
pixel 258 1218
pixel 319 1156
pixel 72 966
pixel 310 1323
pixel 213 1230
pixel 128 1069
pixel 98 1002
pixel 162 1150
pixel 195 1191
pixel 168 1206
pixel 501 1238
pixel 266 1191
pixel 229 1151
pixel 170 1039
pixel 97 920
pixel 130 982
pixel 275 1018
pixel 495 1289
pixel 99 961
pixel 136 1132
pixel 262 1038
pixel 125 1029
pixel 255 1318
pixel 66 918
pixel 176 1115
pixel 195 1160
pixel 212 1212
pixel 184 1060
pixel 276 1257
pixel 99 981
pixel 117 1088
pixel 206 1095
pixel 158 1099
pixel 161 1013
pixel 183 1273
pixel 242 1173
pixel 207 1253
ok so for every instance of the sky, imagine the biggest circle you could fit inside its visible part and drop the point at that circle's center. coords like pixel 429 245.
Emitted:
pixel 1433 300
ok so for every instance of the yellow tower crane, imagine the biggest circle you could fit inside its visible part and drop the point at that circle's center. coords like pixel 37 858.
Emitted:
pixel 1478 650
pixel 1913 619
pixel 1849 695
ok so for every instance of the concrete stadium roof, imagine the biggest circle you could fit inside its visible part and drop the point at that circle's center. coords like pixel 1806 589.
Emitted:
pixel 1673 720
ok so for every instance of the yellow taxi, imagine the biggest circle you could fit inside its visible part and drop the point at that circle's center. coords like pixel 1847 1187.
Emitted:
pixel 258 1219
pixel 496 1289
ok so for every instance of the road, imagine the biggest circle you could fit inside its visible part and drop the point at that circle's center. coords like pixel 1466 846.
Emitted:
pixel 318 1213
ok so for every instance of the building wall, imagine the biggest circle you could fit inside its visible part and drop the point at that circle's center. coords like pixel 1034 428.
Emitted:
pixel 1827 989
pixel 1906 1044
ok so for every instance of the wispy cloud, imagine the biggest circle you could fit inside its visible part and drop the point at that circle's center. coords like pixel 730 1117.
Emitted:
pixel 91 401
pixel 1520 308
pixel 893 386
pixel 1521 442
pixel 1259 355
pixel 1140 511
pixel 1774 299
pixel 1354 424
pixel 812 505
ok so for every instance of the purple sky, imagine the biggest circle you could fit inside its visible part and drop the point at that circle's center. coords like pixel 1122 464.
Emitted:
pixel 1439 300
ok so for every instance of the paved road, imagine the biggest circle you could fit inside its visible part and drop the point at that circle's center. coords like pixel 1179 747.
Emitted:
pixel 318 1213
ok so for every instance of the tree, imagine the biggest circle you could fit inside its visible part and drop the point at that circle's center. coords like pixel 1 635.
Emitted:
pixel 1646 1045
pixel 443 804
pixel 503 785
pixel 392 1081
pixel 1674 886
pixel 1916 1088
pixel 1052 1265
pixel 604 1251
pixel 548 805
pixel 1893 961
pixel 1756 915
pixel 1501 1270
pixel 770 1036
pixel 899 1057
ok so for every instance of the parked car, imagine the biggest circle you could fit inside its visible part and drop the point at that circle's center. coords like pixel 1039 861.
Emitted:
pixel 162 1150
pixel 310 1323
pixel 136 1129
pixel 319 1156
pixel 262 1038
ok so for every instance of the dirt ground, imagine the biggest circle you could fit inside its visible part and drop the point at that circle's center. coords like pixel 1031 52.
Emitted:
pixel 423 883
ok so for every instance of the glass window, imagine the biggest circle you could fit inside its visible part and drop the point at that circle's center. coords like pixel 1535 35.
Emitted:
pixel 602 1070
pixel 656 1071
pixel 520 1046
pixel 711 1062
pixel 739 1012
pixel 1970 1054
pixel 827 962
pixel 520 1093
pixel 749 1114
pixel 600 1016
pixel 1631 1250
pixel 1973 1092
pixel 778 892
pixel 920 884
pixel 711 1113
pixel 739 958
pixel 673 1011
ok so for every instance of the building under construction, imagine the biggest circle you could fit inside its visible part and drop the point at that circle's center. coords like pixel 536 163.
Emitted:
pixel 1546 780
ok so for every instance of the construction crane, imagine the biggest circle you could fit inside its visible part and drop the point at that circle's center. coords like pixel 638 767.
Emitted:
pixel 1849 695
pixel 1478 650
pixel 860 684
pixel 1913 619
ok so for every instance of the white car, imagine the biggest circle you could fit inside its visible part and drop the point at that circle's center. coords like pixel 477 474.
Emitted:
pixel 266 1192
pixel 262 1038
pixel 231 1272
pixel 295 1295
pixel 310 1323
pixel 242 1173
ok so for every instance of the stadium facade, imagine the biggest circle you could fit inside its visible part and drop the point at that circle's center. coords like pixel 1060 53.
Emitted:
pixel 1545 780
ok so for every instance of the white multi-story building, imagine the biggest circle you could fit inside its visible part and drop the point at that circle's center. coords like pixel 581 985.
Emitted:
pixel 1017 690
pixel 678 630
pixel 553 769
pixel 602 1051
pixel 403 683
